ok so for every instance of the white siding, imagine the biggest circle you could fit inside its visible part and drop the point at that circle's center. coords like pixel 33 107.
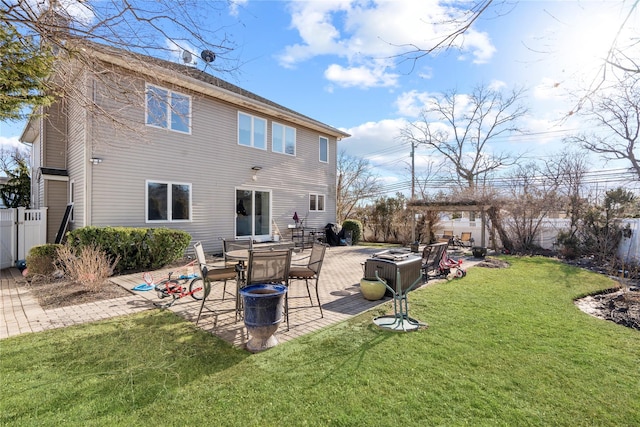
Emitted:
pixel 209 158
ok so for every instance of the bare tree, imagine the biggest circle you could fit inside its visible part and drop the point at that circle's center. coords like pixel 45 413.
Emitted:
pixel 14 164
pixel 458 22
pixel 80 33
pixel 531 200
pixel 616 114
pixel 567 171
pixel 154 27
pixel 11 156
pixel 461 128
pixel 356 182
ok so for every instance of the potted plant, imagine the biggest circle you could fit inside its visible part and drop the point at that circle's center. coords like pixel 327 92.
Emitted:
pixel 263 307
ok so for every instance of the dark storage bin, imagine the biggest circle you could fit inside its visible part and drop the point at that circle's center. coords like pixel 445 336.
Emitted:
pixel 388 264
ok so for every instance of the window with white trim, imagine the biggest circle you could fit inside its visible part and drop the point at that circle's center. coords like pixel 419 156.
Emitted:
pixel 324 149
pixel 283 139
pixel 168 202
pixel 252 131
pixel 167 109
pixel 316 202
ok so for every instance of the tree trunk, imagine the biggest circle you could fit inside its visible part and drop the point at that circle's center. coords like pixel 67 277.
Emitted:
pixel 494 217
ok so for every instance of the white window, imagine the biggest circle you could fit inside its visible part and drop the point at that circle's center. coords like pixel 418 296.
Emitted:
pixel 252 131
pixel 168 202
pixel 324 149
pixel 168 110
pixel 316 202
pixel 283 139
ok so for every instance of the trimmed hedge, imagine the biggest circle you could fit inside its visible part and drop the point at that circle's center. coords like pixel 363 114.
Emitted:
pixel 138 248
pixel 41 259
pixel 355 227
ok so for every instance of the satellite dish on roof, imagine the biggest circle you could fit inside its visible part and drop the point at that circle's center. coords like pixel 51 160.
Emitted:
pixel 207 56
pixel 187 57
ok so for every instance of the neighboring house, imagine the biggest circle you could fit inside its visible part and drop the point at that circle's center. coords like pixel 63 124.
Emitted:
pixel 173 146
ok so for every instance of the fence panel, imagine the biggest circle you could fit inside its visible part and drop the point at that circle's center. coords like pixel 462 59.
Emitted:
pixel 32 230
pixel 20 230
pixel 8 237
pixel 629 249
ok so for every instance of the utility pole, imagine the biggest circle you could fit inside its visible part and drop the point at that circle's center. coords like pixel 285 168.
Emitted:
pixel 413 191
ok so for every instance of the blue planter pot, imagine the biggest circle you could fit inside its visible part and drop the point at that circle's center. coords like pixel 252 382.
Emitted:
pixel 263 308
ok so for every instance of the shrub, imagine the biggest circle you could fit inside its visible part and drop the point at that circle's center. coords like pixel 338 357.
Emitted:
pixel 355 227
pixel 137 248
pixel 89 266
pixel 41 259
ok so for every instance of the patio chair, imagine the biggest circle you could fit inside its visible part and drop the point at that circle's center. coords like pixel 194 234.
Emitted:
pixel 431 257
pixel 202 260
pixel 232 244
pixel 465 240
pixel 211 274
pixel 269 266
pixel 447 236
pixel 309 271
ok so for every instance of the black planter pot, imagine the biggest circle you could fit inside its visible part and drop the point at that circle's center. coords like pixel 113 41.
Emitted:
pixel 479 251
pixel 263 307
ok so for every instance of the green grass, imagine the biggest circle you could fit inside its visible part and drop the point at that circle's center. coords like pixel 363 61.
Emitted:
pixel 504 347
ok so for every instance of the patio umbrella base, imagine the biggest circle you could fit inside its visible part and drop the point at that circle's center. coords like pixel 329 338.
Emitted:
pixel 398 323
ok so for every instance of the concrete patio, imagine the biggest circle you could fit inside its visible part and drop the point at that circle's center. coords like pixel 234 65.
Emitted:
pixel 338 288
pixel 339 294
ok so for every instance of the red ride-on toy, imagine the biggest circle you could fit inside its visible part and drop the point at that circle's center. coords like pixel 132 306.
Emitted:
pixel 446 264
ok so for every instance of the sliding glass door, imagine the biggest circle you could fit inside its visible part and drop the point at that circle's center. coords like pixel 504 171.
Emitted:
pixel 253 214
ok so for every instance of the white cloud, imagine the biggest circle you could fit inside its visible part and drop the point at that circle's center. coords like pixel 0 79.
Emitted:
pixel 235 5
pixel 379 143
pixel 8 142
pixel 369 34
pixel 361 76
pixel 410 104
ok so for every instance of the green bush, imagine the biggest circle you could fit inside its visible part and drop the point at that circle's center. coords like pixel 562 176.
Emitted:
pixel 355 227
pixel 40 259
pixel 138 248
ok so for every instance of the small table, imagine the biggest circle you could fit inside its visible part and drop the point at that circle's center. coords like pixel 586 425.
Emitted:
pixel 240 255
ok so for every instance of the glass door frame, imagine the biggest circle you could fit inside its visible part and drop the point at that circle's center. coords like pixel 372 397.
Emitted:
pixel 248 209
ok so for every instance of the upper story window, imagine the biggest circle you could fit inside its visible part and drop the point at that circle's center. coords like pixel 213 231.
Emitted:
pixel 283 139
pixel 316 202
pixel 324 149
pixel 167 201
pixel 252 131
pixel 168 110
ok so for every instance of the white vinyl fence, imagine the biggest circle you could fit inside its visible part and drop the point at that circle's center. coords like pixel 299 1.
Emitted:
pixel 20 230
pixel 629 248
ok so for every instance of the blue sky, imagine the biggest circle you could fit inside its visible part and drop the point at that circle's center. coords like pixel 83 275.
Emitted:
pixel 332 60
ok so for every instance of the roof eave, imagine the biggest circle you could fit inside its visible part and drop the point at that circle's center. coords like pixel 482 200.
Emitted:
pixel 196 85
pixel 31 131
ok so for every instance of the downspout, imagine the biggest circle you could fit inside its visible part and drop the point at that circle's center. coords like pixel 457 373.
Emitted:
pixel 88 174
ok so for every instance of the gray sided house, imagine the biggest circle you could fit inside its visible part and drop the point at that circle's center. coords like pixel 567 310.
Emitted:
pixel 162 144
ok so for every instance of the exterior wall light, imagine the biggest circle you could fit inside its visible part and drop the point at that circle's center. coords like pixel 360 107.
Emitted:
pixel 95 160
pixel 255 170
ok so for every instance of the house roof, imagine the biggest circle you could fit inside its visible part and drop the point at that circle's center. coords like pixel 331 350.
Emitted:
pixel 202 82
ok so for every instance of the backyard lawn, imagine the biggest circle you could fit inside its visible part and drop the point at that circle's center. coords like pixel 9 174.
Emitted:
pixel 503 347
